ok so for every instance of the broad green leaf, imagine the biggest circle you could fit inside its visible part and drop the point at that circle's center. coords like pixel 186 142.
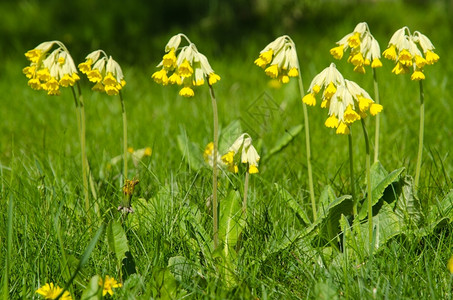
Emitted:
pixel 325 291
pixel 181 268
pixel 288 200
pixel 231 221
pixel 117 240
pixel 191 152
pixel 329 220
pixel 325 199
pixel 408 207
pixel 378 173
pixel 438 215
pixel 285 139
pixel 380 185
pixel 92 291
pixel 164 285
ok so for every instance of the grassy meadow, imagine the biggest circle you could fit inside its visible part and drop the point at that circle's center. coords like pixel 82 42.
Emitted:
pixel 46 234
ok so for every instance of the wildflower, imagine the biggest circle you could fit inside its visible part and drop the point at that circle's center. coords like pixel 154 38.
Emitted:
pixel 346 100
pixel 249 155
pixel 50 71
pixel 365 49
pixel 51 291
pixel 281 57
pixel 184 66
pixel 407 51
pixel 108 284
pixel 104 71
pixel 129 186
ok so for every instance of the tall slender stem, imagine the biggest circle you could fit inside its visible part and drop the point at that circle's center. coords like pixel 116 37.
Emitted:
pixel 126 198
pixel 308 150
pixel 214 170
pixel 351 172
pixel 81 107
pixel 420 136
pixel 246 187
pixel 377 100
pixel 368 183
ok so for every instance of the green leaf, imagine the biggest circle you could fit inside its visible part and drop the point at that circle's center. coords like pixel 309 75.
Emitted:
pixel 378 185
pixel 92 291
pixel 231 221
pixel 182 268
pixel 325 199
pixel 288 200
pixel 408 206
pixel 117 240
pixel 191 152
pixel 163 284
pixel 285 139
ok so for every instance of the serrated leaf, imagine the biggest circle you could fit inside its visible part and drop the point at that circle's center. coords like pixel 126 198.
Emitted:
pixel 288 200
pixel 378 190
pixel 285 139
pixel 117 240
pixel 408 206
pixel 190 151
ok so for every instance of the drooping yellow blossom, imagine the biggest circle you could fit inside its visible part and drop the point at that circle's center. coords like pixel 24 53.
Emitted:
pixel 450 265
pixel 407 51
pixel 104 71
pixel 108 284
pixel 365 49
pixel 249 155
pixel 184 66
pixel 346 100
pixel 129 187
pixel 51 291
pixel 50 71
pixel 279 59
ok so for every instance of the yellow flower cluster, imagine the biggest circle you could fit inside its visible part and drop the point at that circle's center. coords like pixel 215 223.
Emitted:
pixel 404 51
pixel 365 49
pixel 281 56
pixel 189 68
pixel 104 71
pixel 249 155
pixel 51 291
pixel 346 100
pixel 49 71
pixel 108 284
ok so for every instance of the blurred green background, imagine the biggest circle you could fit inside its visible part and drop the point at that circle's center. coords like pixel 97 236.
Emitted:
pixel 135 31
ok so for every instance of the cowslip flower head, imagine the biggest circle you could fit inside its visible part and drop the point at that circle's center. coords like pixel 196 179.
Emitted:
pixel 249 155
pixel 346 100
pixel 50 70
pixel 365 50
pixel 51 291
pixel 104 72
pixel 208 155
pixel 108 284
pixel 184 66
pixel 279 59
pixel 410 52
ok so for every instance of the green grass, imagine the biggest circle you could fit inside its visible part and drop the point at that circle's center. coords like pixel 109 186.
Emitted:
pixel 41 173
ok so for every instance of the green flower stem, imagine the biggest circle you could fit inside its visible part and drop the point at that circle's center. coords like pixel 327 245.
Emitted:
pixel 246 187
pixel 82 133
pixel 420 137
pixel 123 111
pixel 351 172
pixel 308 150
pixel 368 183
pixel 215 208
pixel 377 100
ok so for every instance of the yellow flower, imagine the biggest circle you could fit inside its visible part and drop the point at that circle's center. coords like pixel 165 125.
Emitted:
pixel 249 155
pixel 431 57
pixel 186 92
pixel 375 109
pixel 51 291
pixel 337 52
pixel 213 78
pixel 49 71
pixel 364 48
pixel 161 77
pixel 309 99
pixel 417 75
pixel 128 188
pixel 331 122
pixel 108 284
pixel 169 59
pixel 330 90
pixel 350 116
pixel 376 63
pixel 342 128
pixel 281 57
